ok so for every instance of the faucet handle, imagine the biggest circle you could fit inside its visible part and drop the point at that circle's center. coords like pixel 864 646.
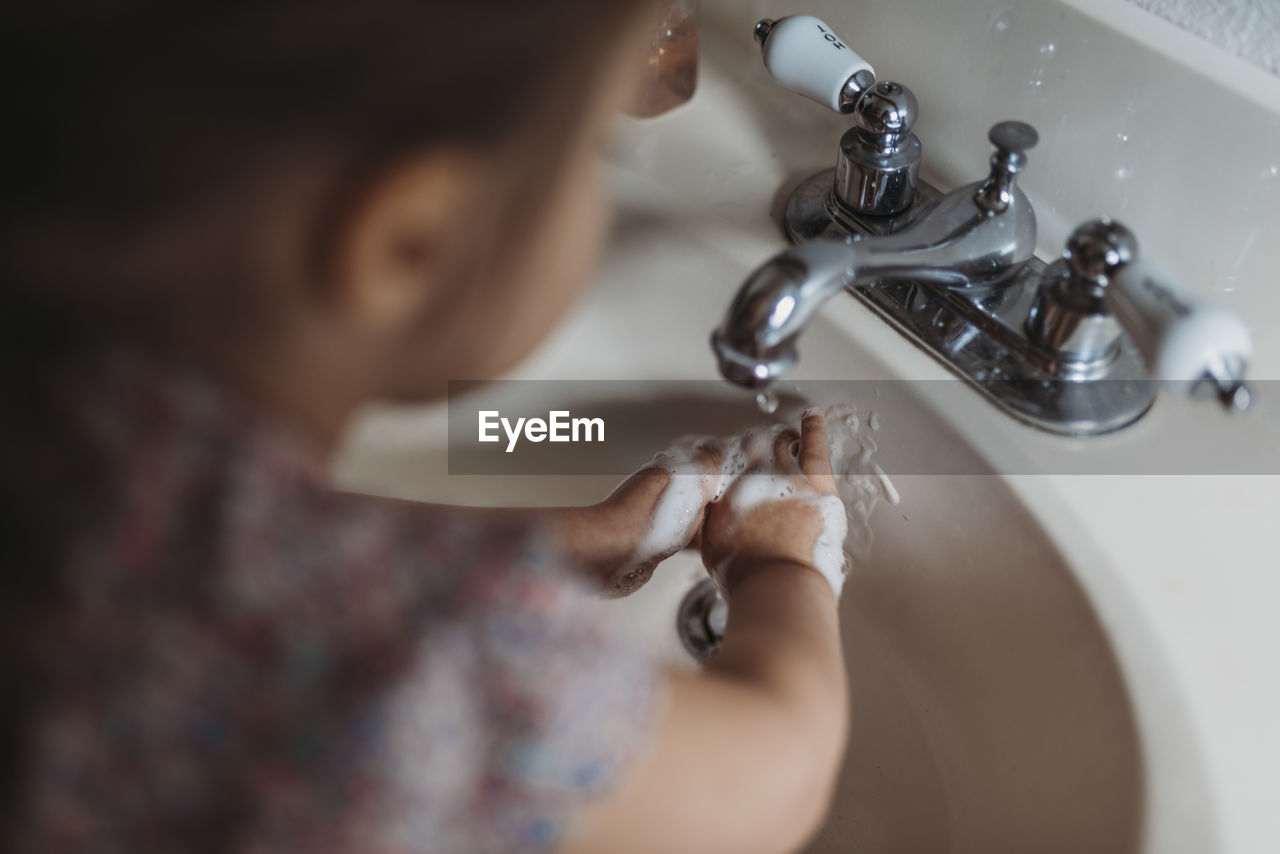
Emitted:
pixel 1012 141
pixel 806 56
pixel 1184 340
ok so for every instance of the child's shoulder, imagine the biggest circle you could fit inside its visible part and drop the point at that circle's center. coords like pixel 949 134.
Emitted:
pixel 200 488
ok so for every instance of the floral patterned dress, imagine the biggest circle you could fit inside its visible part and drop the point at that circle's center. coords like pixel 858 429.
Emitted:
pixel 245 660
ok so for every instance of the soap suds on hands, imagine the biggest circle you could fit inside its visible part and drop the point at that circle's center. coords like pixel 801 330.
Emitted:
pixel 753 476
pixel 678 511
pixel 846 521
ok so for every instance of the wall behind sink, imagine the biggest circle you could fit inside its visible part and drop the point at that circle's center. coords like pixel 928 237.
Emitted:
pixel 1138 120
pixel 1248 28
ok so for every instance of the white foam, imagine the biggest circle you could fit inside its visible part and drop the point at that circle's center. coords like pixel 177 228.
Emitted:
pixel 846 520
pixel 676 515
pixel 890 491
pixel 860 480
pixel 753 491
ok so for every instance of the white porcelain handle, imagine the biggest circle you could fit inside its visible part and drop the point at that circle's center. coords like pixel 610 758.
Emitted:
pixel 804 55
pixel 1182 337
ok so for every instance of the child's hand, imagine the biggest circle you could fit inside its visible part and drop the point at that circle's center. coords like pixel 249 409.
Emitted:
pixel 659 510
pixel 782 509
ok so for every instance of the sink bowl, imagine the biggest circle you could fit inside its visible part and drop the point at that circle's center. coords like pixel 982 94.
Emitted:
pixel 989 712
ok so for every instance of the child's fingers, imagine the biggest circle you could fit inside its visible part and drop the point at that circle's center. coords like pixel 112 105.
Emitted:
pixel 696 543
pixel 710 451
pixel 786 452
pixel 710 456
pixel 815 453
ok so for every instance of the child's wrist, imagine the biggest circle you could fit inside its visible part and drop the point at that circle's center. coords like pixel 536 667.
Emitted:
pixel 631 505
pixel 741 571
pixel 608 528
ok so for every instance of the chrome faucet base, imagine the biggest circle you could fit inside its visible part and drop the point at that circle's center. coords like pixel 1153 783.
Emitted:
pixel 982 336
pixel 1079 347
pixel 814 210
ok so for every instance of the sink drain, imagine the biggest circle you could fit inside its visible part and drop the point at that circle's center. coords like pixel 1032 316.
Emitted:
pixel 701 620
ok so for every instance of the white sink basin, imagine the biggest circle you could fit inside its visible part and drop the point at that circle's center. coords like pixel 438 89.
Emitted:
pixel 988 710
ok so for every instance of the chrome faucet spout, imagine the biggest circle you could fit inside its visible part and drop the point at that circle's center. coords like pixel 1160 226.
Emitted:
pixel 972 240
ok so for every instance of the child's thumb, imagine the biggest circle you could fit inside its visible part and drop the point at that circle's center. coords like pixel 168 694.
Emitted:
pixel 815 452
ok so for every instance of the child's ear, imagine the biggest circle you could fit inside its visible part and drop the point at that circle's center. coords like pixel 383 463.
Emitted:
pixel 399 242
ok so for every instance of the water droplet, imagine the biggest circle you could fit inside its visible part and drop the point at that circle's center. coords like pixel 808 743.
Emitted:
pixel 1001 21
pixel 767 401
pixel 1122 173
pixel 1048 48
pixel 1123 137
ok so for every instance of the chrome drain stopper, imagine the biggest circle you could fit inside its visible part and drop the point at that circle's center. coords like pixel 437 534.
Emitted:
pixel 701 619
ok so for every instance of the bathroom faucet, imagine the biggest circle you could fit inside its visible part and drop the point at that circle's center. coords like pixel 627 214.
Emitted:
pixel 1079 347
pixel 970 241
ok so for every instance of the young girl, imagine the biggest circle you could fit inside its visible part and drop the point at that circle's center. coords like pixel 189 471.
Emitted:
pixel 225 227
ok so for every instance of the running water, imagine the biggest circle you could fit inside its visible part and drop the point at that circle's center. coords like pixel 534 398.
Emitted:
pixel 767 402
pixel 861 481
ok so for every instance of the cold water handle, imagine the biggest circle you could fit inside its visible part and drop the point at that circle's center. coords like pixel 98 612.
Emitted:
pixel 1102 290
pixel 1187 342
